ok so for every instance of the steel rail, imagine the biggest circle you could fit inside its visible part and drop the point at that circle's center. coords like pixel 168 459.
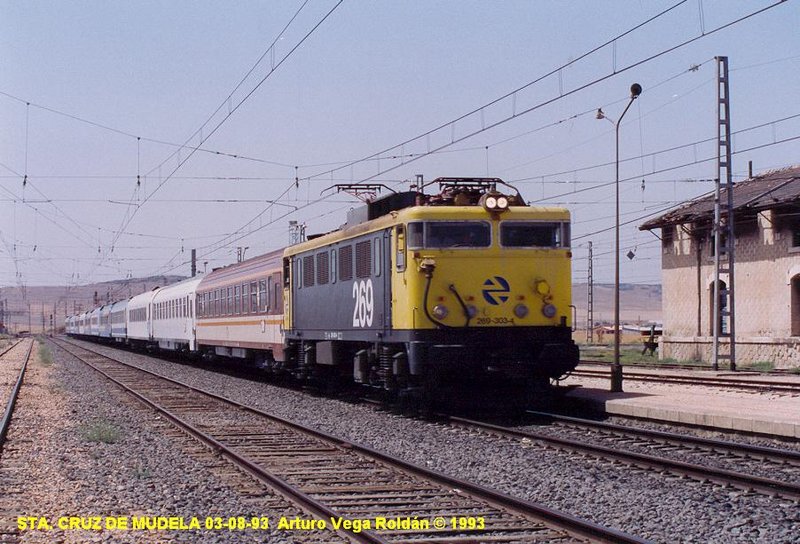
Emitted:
pixel 12 401
pixel 572 524
pixel 678 366
pixel 758 385
pixel 9 348
pixel 747 482
pixel 248 465
pixel 710 443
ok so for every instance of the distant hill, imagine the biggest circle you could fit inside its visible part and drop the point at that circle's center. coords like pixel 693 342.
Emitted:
pixel 638 303
pixel 30 308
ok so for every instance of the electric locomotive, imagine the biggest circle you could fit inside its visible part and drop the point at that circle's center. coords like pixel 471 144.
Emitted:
pixel 418 289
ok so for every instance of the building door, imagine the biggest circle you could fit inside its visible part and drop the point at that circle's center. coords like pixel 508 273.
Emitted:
pixel 795 286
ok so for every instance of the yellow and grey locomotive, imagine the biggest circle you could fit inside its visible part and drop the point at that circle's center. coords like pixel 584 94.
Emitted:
pixel 468 283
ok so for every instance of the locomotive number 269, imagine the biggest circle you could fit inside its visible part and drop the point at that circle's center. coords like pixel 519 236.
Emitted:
pixel 364 304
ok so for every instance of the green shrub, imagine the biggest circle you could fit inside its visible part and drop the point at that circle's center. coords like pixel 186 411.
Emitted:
pixel 45 356
pixel 761 366
pixel 101 430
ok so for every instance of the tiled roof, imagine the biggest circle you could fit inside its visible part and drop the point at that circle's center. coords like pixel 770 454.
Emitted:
pixel 760 192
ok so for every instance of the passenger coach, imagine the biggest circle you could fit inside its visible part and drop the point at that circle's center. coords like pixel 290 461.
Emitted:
pixel 240 311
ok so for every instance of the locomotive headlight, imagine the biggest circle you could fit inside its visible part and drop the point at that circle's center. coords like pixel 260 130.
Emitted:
pixel 520 310
pixel 502 202
pixel 542 287
pixel 472 311
pixel 491 203
pixel 440 311
pixel 549 310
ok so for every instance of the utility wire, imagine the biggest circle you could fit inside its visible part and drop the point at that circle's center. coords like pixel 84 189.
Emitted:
pixel 562 95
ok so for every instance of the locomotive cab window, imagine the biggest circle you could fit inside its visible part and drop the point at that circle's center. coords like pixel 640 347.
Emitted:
pixel 533 234
pixel 449 234
pixel 400 251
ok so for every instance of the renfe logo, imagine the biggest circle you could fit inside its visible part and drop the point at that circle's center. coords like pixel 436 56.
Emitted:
pixel 496 290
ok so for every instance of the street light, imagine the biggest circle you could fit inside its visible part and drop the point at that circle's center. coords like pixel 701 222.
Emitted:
pixel 616 367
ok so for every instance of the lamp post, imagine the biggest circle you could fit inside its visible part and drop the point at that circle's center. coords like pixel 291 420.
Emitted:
pixel 616 367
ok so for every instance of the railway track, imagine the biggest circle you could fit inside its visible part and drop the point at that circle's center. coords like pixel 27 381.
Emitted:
pixel 335 479
pixel 13 393
pixel 749 384
pixel 723 461
pixel 678 366
pixel 8 396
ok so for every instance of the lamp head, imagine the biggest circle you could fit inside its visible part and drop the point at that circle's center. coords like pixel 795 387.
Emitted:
pixel 636 90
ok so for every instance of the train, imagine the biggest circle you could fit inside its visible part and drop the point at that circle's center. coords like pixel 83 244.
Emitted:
pixel 465 284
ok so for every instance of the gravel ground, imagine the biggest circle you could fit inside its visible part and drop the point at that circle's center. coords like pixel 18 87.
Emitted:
pixel 10 365
pixel 645 387
pixel 777 470
pixel 656 507
pixel 80 447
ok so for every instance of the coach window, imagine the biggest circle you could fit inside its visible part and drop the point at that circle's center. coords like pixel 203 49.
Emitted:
pixel 400 250
pixel 332 262
pixel 262 295
pixel 376 255
pixel 237 307
pixel 253 297
pixel 230 301
pixel 298 273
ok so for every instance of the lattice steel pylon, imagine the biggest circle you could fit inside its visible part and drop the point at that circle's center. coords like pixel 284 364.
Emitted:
pixel 724 241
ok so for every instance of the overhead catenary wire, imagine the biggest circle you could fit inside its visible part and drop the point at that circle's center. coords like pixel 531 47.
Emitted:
pixel 528 110
pixel 615 72
pixel 233 110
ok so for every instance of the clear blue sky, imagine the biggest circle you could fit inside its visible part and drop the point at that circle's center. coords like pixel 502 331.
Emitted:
pixel 373 75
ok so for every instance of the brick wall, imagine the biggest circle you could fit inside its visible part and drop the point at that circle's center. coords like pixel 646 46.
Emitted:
pixel 765 264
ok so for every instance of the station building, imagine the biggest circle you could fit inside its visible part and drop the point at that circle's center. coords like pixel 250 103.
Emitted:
pixel 767 272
